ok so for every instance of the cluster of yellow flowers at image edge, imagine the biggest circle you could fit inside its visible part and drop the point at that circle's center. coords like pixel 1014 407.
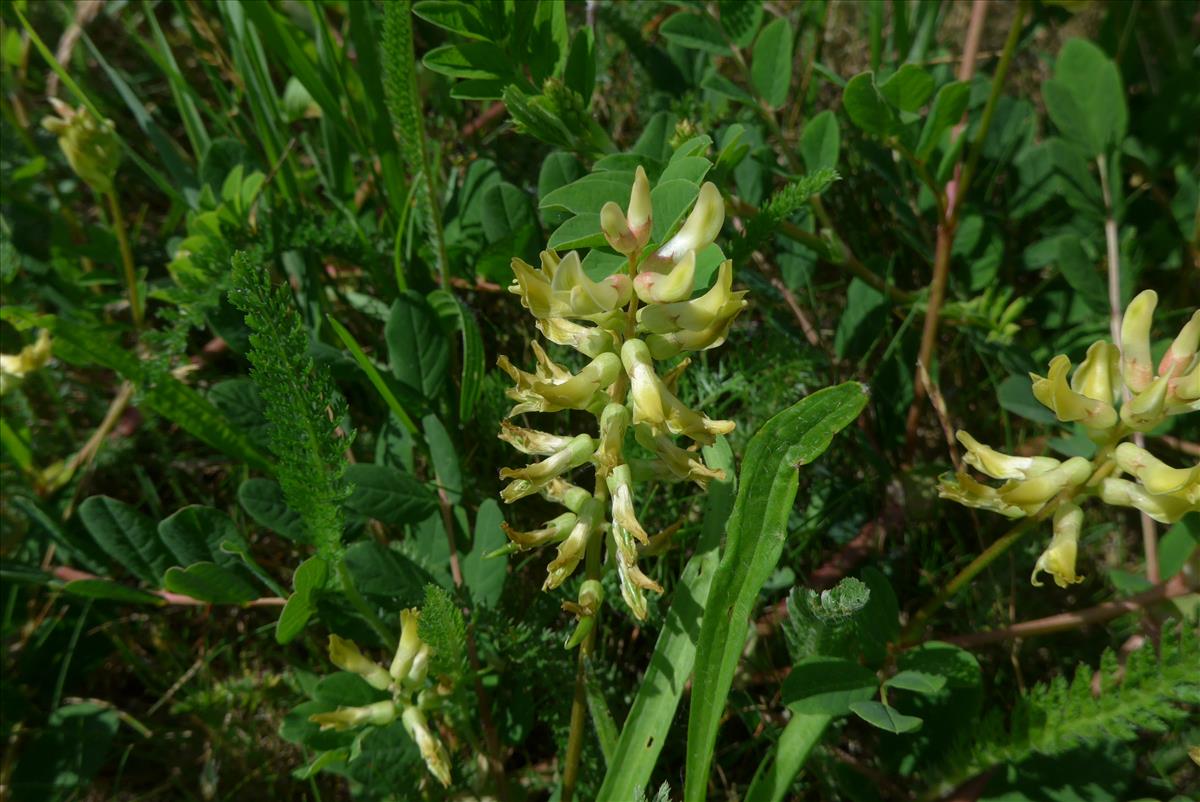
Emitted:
pixel 623 323
pixel 1113 394
pixel 406 679
pixel 15 367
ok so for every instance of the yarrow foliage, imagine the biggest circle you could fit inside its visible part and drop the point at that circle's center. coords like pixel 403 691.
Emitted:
pixel 624 323
pixel 1114 393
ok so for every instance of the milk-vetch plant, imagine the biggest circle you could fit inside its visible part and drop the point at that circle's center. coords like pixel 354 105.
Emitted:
pixel 643 313
pixel 1114 393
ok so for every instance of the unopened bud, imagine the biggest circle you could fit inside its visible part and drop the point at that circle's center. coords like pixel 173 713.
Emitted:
pixel 988 461
pixel 528 480
pixel 1098 376
pixel 675 285
pixel 1148 408
pixel 698 232
pixel 379 714
pixel 1182 350
pixel 345 655
pixel 1058 559
pixel 410 644
pixel 1136 367
pixel 432 751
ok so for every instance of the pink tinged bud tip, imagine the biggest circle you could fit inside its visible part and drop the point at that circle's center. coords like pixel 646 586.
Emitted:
pixel 1136 367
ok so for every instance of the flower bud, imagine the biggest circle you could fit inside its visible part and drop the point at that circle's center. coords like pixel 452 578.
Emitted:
pixel 672 286
pixel 528 480
pixel 1184 392
pixel 616 229
pixel 90 145
pixel 553 531
pixel 379 714
pixel 1155 475
pixel 418 670
pixel 1068 405
pixel 1136 367
pixel 633 581
pixel 1001 466
pixel 1031 494
pixel 572 550
pixel 641 210
pixel 698 231
pixel 1058 559
pixel 1148 408
pixel 560 491
pixel 432 751
pixel 345 655
pixel 718 303
pixel 1164 509
pixel 613 423
pixel 1097 377
pixel 1183 349
pixel 410 644
pixel 961 488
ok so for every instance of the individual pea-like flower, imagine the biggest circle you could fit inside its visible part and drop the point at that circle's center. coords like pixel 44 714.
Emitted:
pixel 90 144
pixel 405 679
pixel 649 310
pixel 15 367
pixel 1114 393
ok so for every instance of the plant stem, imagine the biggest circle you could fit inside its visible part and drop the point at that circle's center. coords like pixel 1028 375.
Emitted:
pixel 360 605
pixel 1172 588
pixel 955 190
pixel 1113 253
pixel 1004 543
pixel 118 220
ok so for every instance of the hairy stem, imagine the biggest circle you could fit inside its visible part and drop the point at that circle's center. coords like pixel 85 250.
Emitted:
pixel 118 220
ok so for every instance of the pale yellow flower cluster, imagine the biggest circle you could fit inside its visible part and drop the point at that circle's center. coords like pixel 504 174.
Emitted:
pixel 90 144
pixel 405 679
pixel 1114 393
pixel 623 323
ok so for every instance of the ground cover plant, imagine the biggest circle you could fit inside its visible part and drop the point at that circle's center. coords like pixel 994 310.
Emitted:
pixel 542 400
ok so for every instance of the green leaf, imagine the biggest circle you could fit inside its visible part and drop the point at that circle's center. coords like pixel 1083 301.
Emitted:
pixel 908 88
pixel 718 83
pixel 653 710
pixel 740 20
pixel 671 201
pixel 62 755
pixel 1178 545
pixel 471 383
pixel 470 60
pixel 695 31
pixel 209 582
pixel 380 571
pixel 558 170
pixel 444 457
pixel 458 17
pixel 388 495
pixel 1082 273
pixel 263 500
pixel 195 534
pixel 1016 395
pixel 505 209
pixel 590 193
pixel 885 717
pixel 688 168
pixel 485 578
pixel 443 628
pixel 771 67
pixel 916 681
pixel 126 536
pixel 110 591
pixel 417 350
pixel 827 686
pixel 948 108
pixel 866 106
pixel 580 72
pixel 821 141
pixel 778 771
pixel 1086 98
pixel 581 231
pixel 754 540
pixel 309 577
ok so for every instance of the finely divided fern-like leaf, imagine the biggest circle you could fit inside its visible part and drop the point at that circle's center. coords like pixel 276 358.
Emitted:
pixel 443 628
pixel 781 206
pixel 301 404
pixel 1153 691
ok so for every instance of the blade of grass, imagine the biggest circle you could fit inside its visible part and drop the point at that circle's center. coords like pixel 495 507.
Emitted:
pixel 373 374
